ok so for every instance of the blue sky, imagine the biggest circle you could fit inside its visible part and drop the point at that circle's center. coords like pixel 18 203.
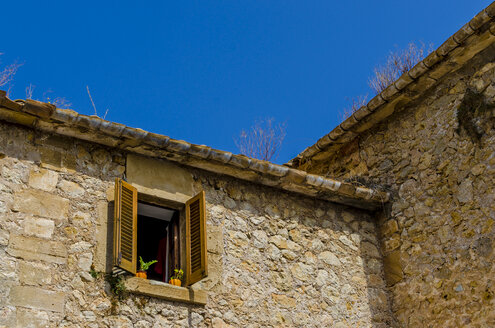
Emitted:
pixel 203 71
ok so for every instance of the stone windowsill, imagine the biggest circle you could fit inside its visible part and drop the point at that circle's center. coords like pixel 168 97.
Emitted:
pixel 165 291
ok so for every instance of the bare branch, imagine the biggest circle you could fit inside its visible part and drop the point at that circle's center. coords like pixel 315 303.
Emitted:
pixel 30 91
pixel 263 141
pixel 9 90
pixel 92 102
pixel 61 102
pixel 356 103
pixel 7 74
pixel 398 62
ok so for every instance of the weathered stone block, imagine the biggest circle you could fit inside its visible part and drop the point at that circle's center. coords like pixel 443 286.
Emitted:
pixel 32 318
pixel 465 192
pixel 392 243
pixel 39 227
pixel 219 323
pixel 6 283
pixel 41 203
pixel 215 239
pixel 34 274
pixel 4 238
pixel 16 176
pixel 51 159
pixel 69 163
pixel 43 179
pixel 329 258
pixel 347 242
pixel 392 268
pixel 389 227
pixel 260 239
pixel 56 141
pixel 8 316
pixel 215 269
pixel 71 188
pixel 368 249
pixel 37 298
pixel 104 237
pixel 110 192
pixel 57 160
pixel 31 248
pixel 284 301
pixel 302 271
pixel 84 261
pixel 279 241
pixel 159 178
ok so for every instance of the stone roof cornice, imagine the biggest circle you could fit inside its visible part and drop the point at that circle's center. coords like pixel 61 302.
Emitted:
pixel 472 38
pixel 47 117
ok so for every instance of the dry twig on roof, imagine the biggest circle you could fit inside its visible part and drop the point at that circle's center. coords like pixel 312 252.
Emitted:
pixel 93 104
pixel 7 73
pixel 263 141
pixel 355 104
pixel 398 62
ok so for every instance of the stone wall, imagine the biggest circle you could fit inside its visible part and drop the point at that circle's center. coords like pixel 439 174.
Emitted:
pixel 275 259
pixel 437 157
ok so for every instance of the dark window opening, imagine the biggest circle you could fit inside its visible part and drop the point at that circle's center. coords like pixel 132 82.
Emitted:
pixel 158 239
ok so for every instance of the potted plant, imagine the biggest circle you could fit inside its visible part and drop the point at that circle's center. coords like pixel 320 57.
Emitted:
pixel 176 279
pixel 143 266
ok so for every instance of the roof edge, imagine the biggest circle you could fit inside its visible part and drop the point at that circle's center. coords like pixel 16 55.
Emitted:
pixel 48 118
pixel 410 85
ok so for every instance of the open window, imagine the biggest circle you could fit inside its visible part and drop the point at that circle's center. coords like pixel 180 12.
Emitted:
pixel 156 232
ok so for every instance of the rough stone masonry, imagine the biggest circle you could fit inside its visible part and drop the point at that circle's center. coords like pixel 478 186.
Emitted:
pixel 437 157
pixel 286 247
pixel 276 259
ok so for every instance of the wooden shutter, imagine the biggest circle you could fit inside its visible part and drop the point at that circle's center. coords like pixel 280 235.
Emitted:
pixel 196 262
pixel 125 226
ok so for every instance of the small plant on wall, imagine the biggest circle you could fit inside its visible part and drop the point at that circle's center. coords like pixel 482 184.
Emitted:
pixel 176 279
pixel 117 285
pixel 143 267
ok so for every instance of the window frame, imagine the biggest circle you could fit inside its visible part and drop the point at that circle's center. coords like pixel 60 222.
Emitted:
pixel 182 207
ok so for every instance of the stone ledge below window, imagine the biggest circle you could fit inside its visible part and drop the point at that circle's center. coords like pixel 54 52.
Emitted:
pixel 165 291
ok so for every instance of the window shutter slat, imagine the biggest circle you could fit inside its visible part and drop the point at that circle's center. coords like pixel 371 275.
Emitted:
pixel 125 226
pixel 196 261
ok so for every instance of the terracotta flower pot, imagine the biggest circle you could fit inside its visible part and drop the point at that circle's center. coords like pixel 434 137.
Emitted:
pixel 175 282
pixel 141 274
